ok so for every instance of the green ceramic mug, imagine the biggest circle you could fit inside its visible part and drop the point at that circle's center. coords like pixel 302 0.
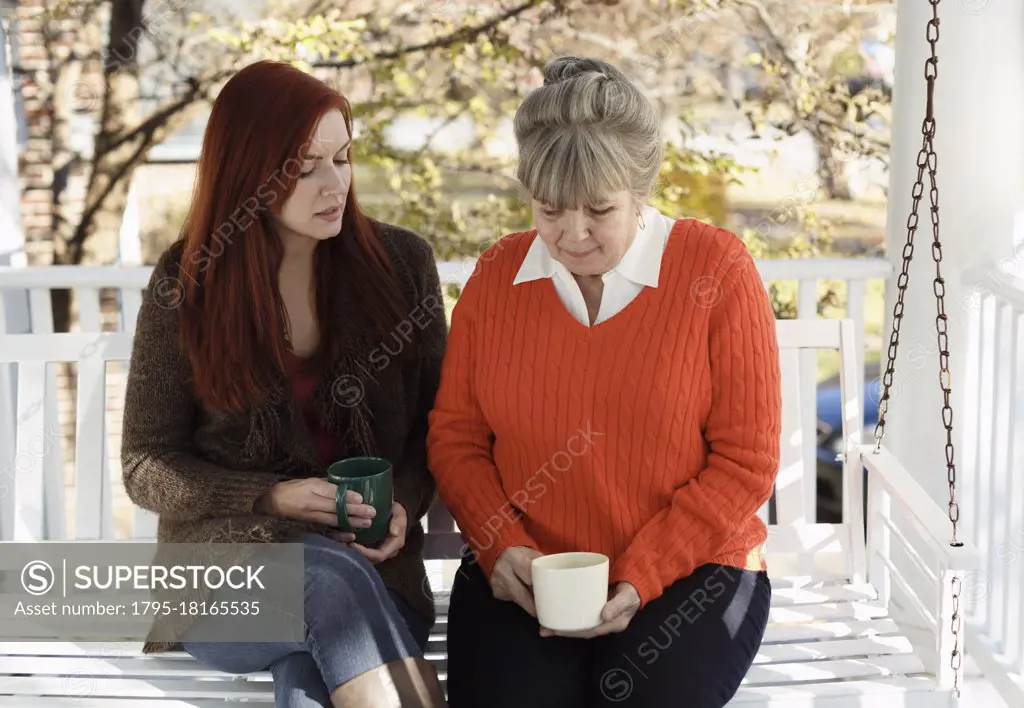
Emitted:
pixel 371 478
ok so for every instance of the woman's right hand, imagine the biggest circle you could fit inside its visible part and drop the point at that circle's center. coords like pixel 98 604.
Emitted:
pixel 512 577
pixel 312 499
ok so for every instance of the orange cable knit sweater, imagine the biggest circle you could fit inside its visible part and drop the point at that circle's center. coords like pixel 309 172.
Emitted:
pixel 652 437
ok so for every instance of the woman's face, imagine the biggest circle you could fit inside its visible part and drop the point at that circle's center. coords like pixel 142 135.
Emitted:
pixel 590 239
pixel 315 207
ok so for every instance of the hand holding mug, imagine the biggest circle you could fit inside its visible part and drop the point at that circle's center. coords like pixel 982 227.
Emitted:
pixel 393 542
pixel 370 480
pixel 512 578
pixel 616 615
pixel 572 595
pixel 313 499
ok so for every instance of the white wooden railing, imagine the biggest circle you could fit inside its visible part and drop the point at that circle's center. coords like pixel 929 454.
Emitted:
pixel 87 282
pixel 993 463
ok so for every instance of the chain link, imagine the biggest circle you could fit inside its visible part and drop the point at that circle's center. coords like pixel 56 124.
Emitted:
pixel 928 160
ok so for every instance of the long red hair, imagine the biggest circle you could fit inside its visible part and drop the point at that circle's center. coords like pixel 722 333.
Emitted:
pixel 233 316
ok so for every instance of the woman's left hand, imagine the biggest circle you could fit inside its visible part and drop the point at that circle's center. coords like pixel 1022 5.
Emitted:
pixel 615 615
pixel 393 542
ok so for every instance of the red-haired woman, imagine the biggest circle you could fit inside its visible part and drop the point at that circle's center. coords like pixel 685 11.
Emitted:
pixel 283 331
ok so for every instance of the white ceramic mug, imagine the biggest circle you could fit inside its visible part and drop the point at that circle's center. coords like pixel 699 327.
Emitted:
pixel 570 589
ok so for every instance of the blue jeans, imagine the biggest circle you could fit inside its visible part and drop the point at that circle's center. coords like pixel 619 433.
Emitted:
pixel 353 623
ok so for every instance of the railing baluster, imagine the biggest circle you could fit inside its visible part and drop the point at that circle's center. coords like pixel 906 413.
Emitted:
pixel 998 514
pixel 41 310
pixel 986 425
pixel 144 523
pixel 27 483
pixel 856 298
pixel 879 540
pixel 51 466
pixel 131 301
pixel 790 492
pixel 970 448
pixel 8 433
pixel 1014 644
pixel 91 479
pixel 88 300
pixel 807 308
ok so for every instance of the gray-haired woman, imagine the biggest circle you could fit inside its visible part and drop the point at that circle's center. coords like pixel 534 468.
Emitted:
pixel 611 384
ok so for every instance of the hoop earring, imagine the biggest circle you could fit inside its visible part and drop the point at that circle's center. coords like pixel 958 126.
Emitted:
pixel 640 221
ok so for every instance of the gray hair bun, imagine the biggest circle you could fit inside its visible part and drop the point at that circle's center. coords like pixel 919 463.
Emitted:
pixel 569 67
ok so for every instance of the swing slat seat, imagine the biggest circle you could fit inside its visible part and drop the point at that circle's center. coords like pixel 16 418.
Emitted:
pixel 831 641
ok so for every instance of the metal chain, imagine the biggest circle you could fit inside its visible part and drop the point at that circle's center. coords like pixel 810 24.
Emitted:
pixel 927 159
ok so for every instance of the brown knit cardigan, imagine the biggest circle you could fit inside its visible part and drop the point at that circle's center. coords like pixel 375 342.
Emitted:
pixel 202 471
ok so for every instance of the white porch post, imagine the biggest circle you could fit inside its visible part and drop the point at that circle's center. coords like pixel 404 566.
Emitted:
pixel 14 310
pixel 12 240
pixel 979 114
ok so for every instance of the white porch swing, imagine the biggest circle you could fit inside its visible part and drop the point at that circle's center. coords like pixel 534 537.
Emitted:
pixel 831 642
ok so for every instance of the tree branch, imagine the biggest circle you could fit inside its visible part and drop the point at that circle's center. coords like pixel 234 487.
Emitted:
pixel 151 131
pixel 462 34
pixel 773 32
pixel 162 115
pixel 75 244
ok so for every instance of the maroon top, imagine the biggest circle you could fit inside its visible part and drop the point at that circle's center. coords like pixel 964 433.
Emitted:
pixel 304 378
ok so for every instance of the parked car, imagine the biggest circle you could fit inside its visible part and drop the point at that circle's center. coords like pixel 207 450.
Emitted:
pixel 830 440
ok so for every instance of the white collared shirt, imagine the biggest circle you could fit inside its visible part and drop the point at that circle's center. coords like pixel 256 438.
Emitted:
pixel 640 266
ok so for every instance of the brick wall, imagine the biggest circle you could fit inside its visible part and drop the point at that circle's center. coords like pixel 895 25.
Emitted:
pixel 35 164
pixel 58 89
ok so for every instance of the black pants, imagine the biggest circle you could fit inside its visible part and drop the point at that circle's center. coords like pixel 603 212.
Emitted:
pixel 690 647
